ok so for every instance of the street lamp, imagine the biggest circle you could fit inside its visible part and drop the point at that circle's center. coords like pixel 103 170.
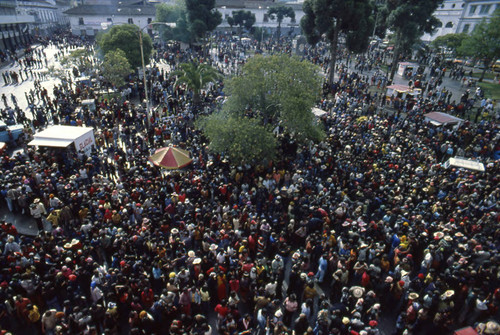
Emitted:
pixel 144 67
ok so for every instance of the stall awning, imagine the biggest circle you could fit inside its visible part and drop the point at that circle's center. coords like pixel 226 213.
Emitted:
pixel 438 118
pixel 464 163
pixel 318 112
pixel 50 142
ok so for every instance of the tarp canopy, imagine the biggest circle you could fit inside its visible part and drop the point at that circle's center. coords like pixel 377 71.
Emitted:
pixel 47 142
pixel 464 163
pixel 438 118
pixel 318 112
pixel 63 136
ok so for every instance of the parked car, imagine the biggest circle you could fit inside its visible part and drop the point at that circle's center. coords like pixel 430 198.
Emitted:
pixel 14 130
pixel 496 66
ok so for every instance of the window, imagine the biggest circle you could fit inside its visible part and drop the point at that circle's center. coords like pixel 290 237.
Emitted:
pixel 442 6
pixel 439 24
pixel 453 6
pixel 150 20
pixel 485 9
pixel 466 28
pixel 449 25
pixel 266 18
pixel 109 19
pixel 130 20
pixel 293 20
pixel 463 5
pixel 472 9
pixel 80 21
pixel 226 15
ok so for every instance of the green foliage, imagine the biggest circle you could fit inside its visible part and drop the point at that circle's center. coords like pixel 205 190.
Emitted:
pixel 195 76
pixel 259 33
pixel 202 17
pixel 332 17
pixel 279 90
pixel 409 20
pixel 278 13
pixel 115 68
pixel 126 38
pixel 242 18
pixel 174 13
pixel 484 41
pixel 450 41
pixel 241 139
pixel 81 59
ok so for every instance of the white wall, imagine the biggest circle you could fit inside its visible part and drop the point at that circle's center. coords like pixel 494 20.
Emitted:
pixel 93 23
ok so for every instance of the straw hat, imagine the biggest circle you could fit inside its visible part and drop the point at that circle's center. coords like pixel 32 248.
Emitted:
pixel 175 231
pixel 191 253
pixel 438 235
pixel 345 320
pixel 492 327
pixel 447 294
pixel 448 238
pixel 357 292
pixel 197 261
pixel 213 247
pixel 413 296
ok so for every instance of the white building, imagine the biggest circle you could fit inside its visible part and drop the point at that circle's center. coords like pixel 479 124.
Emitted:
pixel 461 16
pixel 14 27
pixel 95 15
pixel 260 8
pixel 47 14
pixel 474 12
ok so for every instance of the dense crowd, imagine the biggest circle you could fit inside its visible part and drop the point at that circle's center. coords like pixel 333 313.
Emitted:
pixel 364 228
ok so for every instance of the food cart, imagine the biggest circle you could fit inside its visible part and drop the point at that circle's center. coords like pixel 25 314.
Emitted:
pixel 63 136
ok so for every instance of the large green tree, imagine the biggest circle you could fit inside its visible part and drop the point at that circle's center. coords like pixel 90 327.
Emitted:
pixel 241 139
pixel 279 90
pixel 174 13
pixel 449 41
pixel 409 20
pixel 115 68
pixel 484 42
pixel 278 13
pixel 271 91
pixel 202 17
pixel 82 59
pixel 242 19
pixel 126 38
pixel 195 76
pixel 333 17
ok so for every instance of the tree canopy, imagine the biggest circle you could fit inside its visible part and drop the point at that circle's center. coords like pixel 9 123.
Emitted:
pixel 409 20
pixel 115 68
pixel 195 76
pixel 81 59
pixel 449 41
pixel 174 13
pixel 272 92
pixel 241 139
pixel 126 38
pixel 332 17
pixel 278 13
pixel 242 19
pixel 202 17
pixel 484 41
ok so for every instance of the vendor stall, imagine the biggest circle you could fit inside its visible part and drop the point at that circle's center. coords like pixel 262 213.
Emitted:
pixel 402 91
pixel 442 119
pixel 405 67
pixel 64 136
pixel 463 163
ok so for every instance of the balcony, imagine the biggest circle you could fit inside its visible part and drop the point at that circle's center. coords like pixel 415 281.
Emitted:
pixel 12 19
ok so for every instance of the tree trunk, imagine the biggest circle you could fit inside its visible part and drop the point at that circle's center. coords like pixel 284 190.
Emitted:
pixel 333 53
pixel 485 63
pixel 279 30
pixel 395 59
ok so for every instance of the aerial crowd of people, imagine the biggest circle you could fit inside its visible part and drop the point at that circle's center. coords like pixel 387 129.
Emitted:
pixel 366 232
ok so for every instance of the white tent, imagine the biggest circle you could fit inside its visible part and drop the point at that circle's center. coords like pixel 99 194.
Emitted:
pixel 63 136
pixel 318 112
pixel 464 163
